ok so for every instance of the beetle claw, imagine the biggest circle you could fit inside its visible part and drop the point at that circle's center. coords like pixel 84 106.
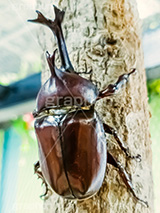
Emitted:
pixel 43 182
pixel 145 203
pixel 137 157
pixel 85 72
pixel 40 176
pixel 46 194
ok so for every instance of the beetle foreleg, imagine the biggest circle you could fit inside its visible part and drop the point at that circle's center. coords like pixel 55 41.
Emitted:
pixel 85 72
pixel 40 175
pixel 113 88
pixel 124 175
pixel 125 149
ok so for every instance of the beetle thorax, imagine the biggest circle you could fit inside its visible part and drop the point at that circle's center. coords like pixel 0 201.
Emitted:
pixel 66 91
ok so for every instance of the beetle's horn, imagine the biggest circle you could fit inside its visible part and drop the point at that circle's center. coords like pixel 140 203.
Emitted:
pixel 40 19
pixel 55 26
pixel 59 15
pixel 51 61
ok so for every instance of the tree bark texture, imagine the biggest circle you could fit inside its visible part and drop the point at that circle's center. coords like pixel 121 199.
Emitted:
pixel 105 36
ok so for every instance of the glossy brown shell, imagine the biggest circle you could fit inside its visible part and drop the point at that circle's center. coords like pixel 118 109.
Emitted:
pixel 65 89
pixel 72 153
pixel 72 146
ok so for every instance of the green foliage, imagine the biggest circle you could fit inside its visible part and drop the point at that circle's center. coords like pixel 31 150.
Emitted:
pixel 25 132
pixel 153 89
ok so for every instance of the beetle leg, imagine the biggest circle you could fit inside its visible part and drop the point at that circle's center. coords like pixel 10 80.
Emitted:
pixel 85 72
pixel 113 88
pixel 40 175
pixel 125 176
pixel 125 149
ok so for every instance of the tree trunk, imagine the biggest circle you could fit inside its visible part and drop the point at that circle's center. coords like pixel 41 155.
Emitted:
pixel 105 36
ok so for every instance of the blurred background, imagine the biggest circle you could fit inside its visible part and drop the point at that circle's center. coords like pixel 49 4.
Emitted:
pixel 20 69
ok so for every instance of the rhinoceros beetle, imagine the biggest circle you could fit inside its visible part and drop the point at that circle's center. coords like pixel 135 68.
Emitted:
pixel 71 136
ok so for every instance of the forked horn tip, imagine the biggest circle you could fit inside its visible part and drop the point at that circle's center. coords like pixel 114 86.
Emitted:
pixel 37 11
pixel 47 54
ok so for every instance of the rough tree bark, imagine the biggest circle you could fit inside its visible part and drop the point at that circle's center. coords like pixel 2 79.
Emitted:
pixel 104 36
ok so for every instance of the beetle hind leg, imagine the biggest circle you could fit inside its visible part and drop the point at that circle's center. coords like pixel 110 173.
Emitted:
pixel 125 149
pixel 125 177
pixel 47 191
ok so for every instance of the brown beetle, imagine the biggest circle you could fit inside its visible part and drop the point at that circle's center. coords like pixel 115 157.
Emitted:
pixel 71 137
